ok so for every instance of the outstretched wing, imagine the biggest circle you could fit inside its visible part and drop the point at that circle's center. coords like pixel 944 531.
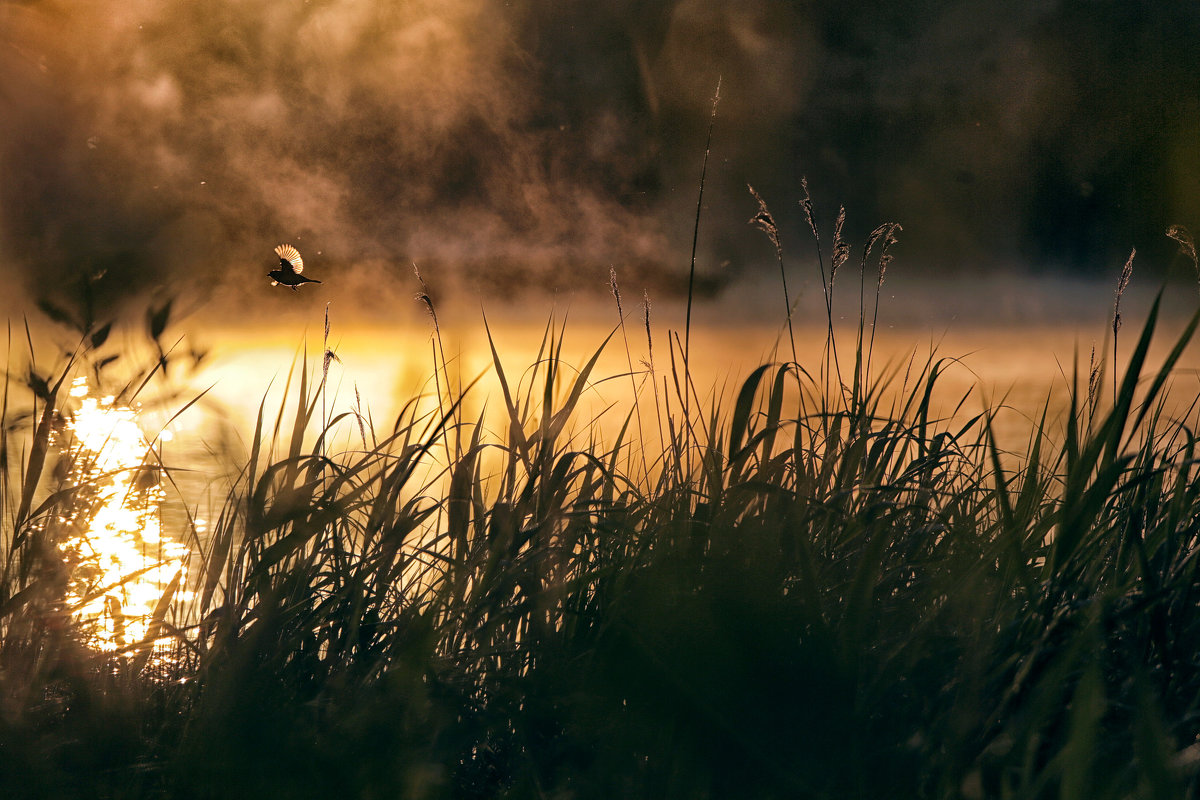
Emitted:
pixel 289 258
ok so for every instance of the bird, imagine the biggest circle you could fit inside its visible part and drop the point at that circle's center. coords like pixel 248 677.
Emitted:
pixel 290 267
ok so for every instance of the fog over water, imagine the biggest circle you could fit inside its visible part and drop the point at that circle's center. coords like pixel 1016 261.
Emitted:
pixel 158 148
pixel 477 183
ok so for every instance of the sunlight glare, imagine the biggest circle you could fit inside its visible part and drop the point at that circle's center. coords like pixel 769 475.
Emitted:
pixel 121 563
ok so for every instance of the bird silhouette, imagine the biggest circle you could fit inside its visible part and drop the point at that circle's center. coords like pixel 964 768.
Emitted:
pixel 290 267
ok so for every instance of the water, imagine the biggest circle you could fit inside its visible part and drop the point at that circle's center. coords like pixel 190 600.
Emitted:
pixel 1016 368
pixel 1017 363
pixel 112 533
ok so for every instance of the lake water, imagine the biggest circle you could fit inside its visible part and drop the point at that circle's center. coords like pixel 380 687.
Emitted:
pixel 1015 350
pixel 1011 343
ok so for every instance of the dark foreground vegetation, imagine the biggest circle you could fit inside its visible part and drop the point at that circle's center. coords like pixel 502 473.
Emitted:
pixel 819 590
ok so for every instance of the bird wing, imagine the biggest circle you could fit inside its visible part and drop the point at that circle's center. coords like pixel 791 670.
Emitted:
pixel 289 258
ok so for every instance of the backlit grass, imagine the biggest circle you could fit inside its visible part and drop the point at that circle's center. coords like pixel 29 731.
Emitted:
pixel 819 588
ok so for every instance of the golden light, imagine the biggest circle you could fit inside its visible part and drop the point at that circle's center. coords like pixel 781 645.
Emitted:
pixel 121 564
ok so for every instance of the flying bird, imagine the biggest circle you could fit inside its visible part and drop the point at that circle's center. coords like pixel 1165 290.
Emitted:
pixel 290 267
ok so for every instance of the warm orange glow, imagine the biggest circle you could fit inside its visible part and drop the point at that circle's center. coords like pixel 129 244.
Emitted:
pixel 121 563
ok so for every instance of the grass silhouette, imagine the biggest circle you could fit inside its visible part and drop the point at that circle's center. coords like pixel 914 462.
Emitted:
pixel 824 590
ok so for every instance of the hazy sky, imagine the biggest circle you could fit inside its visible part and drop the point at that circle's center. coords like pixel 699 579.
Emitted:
pixel 149 146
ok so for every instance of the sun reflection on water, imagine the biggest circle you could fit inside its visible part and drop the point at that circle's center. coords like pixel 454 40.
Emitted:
pixel 121 564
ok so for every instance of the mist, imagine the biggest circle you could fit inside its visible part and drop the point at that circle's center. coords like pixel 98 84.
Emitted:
pixel 176 143
pixel 164 148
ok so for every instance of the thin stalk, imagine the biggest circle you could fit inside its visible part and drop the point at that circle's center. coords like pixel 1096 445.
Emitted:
pixel 439 364
pixel 653 378
pixel 765 222
pixel 1122 284
pixel 887 232
pixel 826 287
pixel 687 328
pixel 637 409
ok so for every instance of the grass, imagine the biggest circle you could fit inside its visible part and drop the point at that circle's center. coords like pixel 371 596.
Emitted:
pixel 822 590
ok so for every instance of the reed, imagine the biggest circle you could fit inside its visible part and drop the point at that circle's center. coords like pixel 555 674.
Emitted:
pixel 799 590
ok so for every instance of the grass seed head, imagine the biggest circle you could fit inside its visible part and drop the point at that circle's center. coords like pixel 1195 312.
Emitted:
pixel 806 203
pixel 1122 285
pixel 646 320
pixel 362 430
pixel 1187 246
pixel 887 233
pixel 1093 378
pixel 763 219
pixel 841 250
pixel 616 290
pixel 886 256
